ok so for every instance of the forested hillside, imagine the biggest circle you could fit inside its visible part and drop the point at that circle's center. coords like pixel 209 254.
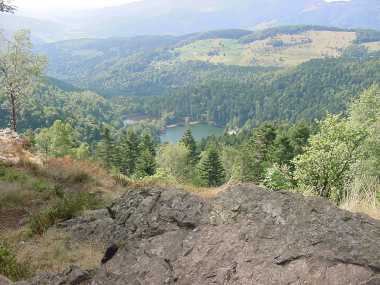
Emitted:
pixel 170 159
pixel 234 77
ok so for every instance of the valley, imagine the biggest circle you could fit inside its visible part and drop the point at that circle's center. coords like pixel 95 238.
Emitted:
pixel 226 76
pixel 189 142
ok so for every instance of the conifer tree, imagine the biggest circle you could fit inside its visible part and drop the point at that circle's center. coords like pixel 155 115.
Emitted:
pixel 255 156
pixel 106 149
pixel 211 169
pixel 146 162
pixel 189 142
pixel 129 152
pixel 148 143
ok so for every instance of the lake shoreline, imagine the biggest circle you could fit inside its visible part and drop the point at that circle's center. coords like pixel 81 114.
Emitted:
pixel 189 124
pixel 173 133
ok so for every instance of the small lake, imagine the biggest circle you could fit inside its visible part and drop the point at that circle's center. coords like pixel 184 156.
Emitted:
pixel 200 131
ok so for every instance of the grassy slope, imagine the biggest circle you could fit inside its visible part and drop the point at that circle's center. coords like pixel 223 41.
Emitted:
pixel 295 49
pixel 372 47
pixel 29 192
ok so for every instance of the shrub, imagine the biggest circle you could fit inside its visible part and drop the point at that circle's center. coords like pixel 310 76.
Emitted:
pixel 278 178
pixel 9 266
pixel 66 170
pixel 10 174
pixel 68 207
pixel 41 185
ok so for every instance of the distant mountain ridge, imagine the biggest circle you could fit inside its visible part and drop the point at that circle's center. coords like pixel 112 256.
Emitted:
pixel 114 65
pixel 172 17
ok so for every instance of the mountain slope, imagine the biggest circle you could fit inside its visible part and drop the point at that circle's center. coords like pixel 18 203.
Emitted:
pixel 117 66
pixel 161 17
pixel 230 76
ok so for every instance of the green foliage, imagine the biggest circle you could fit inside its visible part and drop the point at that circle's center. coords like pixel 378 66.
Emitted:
pixel 287 30
pixel 211 169
pixel 10 267
pixel 255 155
pixel 20 71
pixel 173 160
pixel 106 149
pixel 10 174
pixel 68 207
pixel 365 115
pixel 146 164
pixel 189 142
pixel 278 178
pixel 327 160
pixel 343 149
pixel 132 154
pixel 367 36
pixel 356 51
pixel 129 152
pixel 57 141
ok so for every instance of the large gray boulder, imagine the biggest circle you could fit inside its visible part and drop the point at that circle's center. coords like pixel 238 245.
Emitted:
pixel 5 281
pixel 243 235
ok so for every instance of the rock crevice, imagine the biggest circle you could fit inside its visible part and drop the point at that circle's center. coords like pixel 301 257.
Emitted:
pixel 243 235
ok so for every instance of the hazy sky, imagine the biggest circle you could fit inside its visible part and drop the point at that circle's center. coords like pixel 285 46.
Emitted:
pixel 76 4
pixel 67 4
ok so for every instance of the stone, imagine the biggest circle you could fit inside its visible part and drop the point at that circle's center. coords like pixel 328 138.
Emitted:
pixel 5 281
pixel 243 235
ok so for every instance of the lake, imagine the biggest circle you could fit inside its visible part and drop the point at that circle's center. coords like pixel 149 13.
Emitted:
pixel 200 131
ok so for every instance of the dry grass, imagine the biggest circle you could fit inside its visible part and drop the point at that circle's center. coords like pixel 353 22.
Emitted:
pixel 372 47
pixel 55 251
pixel 173 184
pixel 362 197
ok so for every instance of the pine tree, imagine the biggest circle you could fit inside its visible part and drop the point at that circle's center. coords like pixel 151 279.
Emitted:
pixel 211 169
pixel 106 149
pixel 129 152
pixel 189 142
pixel 255 155
pixel 146 162
pixel 148 143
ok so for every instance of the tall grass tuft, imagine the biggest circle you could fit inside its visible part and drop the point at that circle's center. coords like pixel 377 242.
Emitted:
pixel 10 267
pixel 68 207
pixel 362 196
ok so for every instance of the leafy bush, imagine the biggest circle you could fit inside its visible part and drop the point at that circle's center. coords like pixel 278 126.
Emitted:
pixel 278 178
pixel 9 266
pixel 67 207
pixel 41 185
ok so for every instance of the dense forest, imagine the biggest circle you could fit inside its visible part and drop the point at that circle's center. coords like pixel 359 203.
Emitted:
pixel 81 123
pixel 161 77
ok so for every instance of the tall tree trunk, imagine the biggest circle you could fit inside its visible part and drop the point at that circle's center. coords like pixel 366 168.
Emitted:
pixel 14 113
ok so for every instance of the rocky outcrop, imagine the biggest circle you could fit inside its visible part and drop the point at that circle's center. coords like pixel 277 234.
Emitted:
pixel 243 235
pixel 72 276
pixel 4 281
pixel 12 148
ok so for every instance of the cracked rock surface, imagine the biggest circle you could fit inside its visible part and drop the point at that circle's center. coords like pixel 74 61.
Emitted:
pixel 243 235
